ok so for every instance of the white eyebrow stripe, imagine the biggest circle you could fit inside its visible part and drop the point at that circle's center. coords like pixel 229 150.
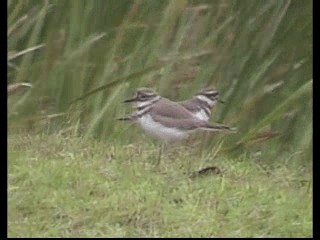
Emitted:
pixel 210 92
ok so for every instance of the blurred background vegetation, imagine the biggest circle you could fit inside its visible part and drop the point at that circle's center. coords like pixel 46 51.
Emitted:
pixel 84 57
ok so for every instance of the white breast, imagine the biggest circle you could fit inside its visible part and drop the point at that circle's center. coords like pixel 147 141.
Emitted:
pixel 207 100
pixel 159 131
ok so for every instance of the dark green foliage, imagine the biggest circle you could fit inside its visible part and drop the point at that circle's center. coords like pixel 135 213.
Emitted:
pixel 256 53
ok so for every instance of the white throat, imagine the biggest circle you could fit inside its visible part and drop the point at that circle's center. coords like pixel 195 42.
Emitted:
pixel 202 115
pixel 206 99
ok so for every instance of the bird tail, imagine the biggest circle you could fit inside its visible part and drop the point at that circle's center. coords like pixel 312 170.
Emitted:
pixel 218 127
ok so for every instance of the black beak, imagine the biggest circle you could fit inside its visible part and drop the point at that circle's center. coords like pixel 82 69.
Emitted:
pixel 215 94
pixel 130 100
pixel 220 101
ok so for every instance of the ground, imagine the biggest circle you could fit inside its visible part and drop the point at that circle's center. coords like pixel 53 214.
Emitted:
pixel 70 187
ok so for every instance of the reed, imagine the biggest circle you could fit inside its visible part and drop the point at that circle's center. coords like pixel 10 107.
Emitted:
pixel 95 53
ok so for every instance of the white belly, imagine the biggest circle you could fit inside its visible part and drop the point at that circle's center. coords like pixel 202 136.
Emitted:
pixel 159 131
pixel 202 115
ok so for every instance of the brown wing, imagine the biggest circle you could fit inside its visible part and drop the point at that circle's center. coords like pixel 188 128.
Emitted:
pixel 167 108
pixel 182 123
pixel 191 105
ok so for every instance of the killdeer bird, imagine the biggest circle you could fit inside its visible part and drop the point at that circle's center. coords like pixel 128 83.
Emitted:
pixel 202 103
pixel 164 119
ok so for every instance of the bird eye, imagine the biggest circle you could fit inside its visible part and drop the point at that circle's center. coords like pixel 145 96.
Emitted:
pixel 142 96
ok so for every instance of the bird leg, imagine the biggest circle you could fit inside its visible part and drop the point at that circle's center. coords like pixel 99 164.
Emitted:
pixel 160 153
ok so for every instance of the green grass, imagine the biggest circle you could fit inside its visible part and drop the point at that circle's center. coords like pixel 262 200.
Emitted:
pixel 61 186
